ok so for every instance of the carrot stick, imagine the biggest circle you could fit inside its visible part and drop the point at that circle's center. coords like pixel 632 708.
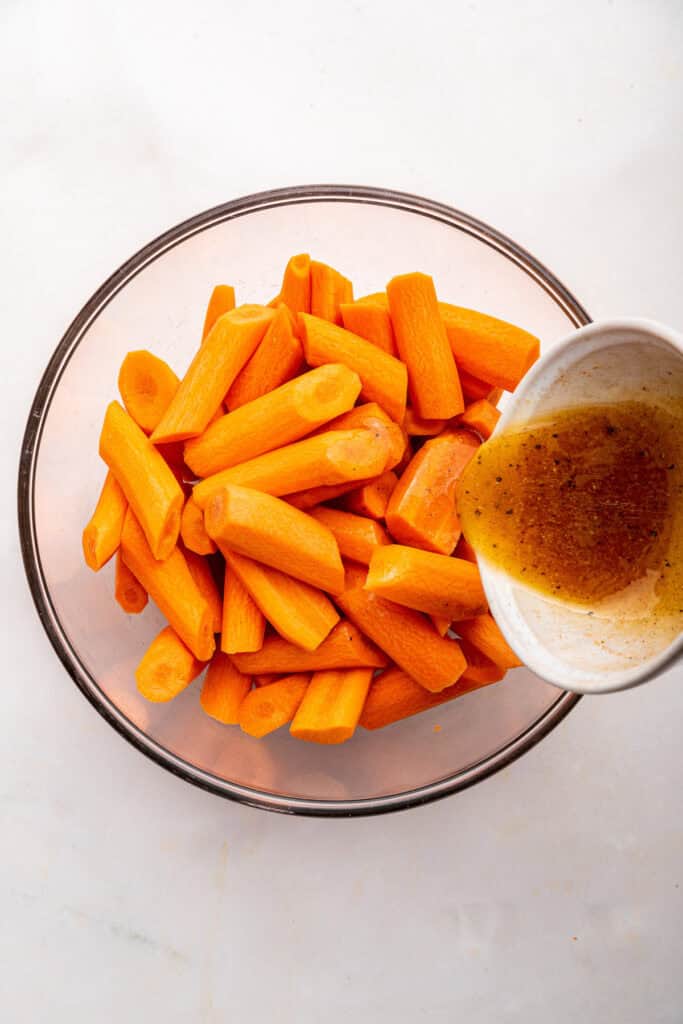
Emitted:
pixel 371 416
pixel 480 669
pixel 356 536
pixel 494 396
pixel 129 593
pixel 274 533
pixel 329 289
pixel 299 612
pixel 345 647
pixel 394 696
pixel 243 623
pixel 266 678
pixel 415 426
pixel 483 633
pixel 273 420
pixel 267 708
pixel 222 301
pixel 167 667
pixel 203 577
pixel 102 535
pixel 465 550
pixel 331 705
pixel 150 487
pixel 276 360
pixel 436 584
pixel 171 586
pixel 296 284
pixel 407 637
pixel 224 689
pixel 384 378
pixel 488 348
pixel 315 496
pixel 355 575
pixel 421 510
pixel 147 385
pixel 440 624
pixel 335 457
pixel 192 529
pixel 227 347
pixel 480 416
pixel 423 346
pixel 372 498
pixel 473 389
pixel 371 321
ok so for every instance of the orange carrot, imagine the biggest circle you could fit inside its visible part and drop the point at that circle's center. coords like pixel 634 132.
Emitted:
pixel 372 498
pixel 335 457
pixel 384 378
pixel 480 669
pixel 371 416
pixel 167 667
pixel 102 535
pixel 192 529
pixel 331 705
pixel 484 633
pixel 171 586
pixel 394 696
pixel 150 487
pixel 243 626
pixel 203 577
pixel 415 426
pixel 436 584
pixel 421 510
pixel 345 647
pixel 273 420
pixel 299 612
pixel 315 496
pixel 276 360
pixel 355 575
pixel 407 637
pixel 147 385
pixel 473 389
pixel 423 346
pixel 128 591
pixel 440 624
pixel 356 536
pixel 267 708
pixel 274 533
pixel 266 678
pixel 227 347
pixel 371 321
pixel 172 455
pixel 490 349
pixel 224 690
pixel 329 289
pixel 480 416
pixel 296 284
pixel 465 550
pixel 222 301
pixel 494 396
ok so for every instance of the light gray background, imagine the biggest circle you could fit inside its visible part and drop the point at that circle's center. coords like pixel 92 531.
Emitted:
pixel 551 892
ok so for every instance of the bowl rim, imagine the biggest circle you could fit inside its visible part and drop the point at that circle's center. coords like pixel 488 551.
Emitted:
pixel 406 202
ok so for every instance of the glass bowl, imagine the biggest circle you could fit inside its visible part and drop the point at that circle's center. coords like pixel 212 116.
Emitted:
pixel 157 300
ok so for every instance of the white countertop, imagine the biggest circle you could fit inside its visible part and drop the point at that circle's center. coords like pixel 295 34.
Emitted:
pixel 551 892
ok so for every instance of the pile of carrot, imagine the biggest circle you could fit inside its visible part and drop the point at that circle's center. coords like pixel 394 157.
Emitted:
pixel 289 504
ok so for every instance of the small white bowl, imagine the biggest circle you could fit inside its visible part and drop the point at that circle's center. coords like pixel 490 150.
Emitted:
pixel 613 646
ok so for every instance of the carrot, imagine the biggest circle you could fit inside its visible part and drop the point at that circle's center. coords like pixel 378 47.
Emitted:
pixel 329 289
pixel 480 416
pixel 171 586
pixel 296 284
pixel 384 378
pixel 371 416
pixel 415 426
pixel 167 667
pixel 440 624
pixel 335 457
pixel 299 612
pixel 421 510
pixel 315 496
pixel 394 695
pixel 276 360
pixel 345 647
pixel 266 678
pixel 372 498
pixel 150 487
pixel 193 531
pixel 473 389
pixel 436 584
pixel 371 321
pixel 355 575
pixel 203 577
pixel 227 347
pixel 480 669
pixel 423 346
pixel 407 637
pixel 464 549
pixel 267 708
pixel 222 301
pixel 356 536
pixel 331 705
pixel 494 396
pixel 243 626
pixel 274 533
pixel 129 593
pixel 147 385
pixel 273 420
pixel 488 348
pixel 172 455
pixel 224 689
pixel 102 535
pixel 484 633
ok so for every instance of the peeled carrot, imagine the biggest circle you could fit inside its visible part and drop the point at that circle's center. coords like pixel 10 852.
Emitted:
pixel 488 348
pixel 331 705
pixel 494 396
pixel 171 586
pixel 421 510
pixel 370 320
pixel 440 624
pixel 484 633
pixel 147 385
pixel 436 584
pixel 222 301
pixel 274 533
pixel 203 577
pixel 356 536
pixel 266 678
pixel 227 347
pixel 128 591
pixel 224 689
pixel 480 416
pixel 102 535
pixel 407 637
pixel 480 669
pixel 465 550
pixel 167 667
pixel 150 487
pixel 423 346
pixel 473 389
pixel 273 420
pixel 384 378
pixel 371 416
pixel 345 647
pixel 296 284
pixel 276 360
pixel 315 496
pixel 243 626
pixel 394 696
pixel 193 531
pixel 355 575
pixel 417 427
pixel 372 498
pixel 269 707
pixel 329 289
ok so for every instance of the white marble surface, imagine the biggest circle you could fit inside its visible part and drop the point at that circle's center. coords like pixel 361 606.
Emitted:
pixel 552 892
